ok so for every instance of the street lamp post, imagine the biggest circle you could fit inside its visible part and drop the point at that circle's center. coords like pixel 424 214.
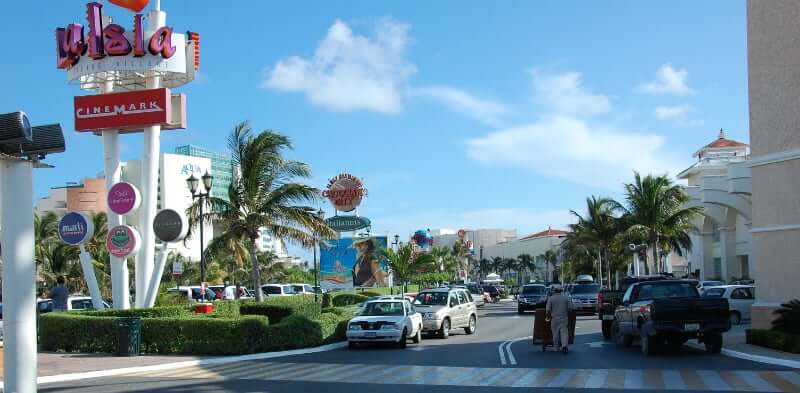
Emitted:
pixel 317 288
pixel 193 183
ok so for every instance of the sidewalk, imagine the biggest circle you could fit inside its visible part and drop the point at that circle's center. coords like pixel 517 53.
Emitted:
pixel 735 344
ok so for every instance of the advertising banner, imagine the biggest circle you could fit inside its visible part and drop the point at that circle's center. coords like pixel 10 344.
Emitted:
pixel 134 109
pixel 353 262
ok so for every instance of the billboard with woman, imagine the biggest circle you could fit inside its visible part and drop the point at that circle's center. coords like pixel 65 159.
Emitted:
pixel 353 262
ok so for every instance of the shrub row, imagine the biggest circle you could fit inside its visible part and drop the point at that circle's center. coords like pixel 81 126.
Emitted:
pixel 155 312
pixel 276 309
pixel 197 336
pixel 348 299
pixel 774 339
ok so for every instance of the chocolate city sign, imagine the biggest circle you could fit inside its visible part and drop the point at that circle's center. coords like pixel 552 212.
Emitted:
pixel 345 192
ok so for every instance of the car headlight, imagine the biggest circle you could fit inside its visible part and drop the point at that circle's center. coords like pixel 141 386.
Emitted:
pixel 354 326
pixel 429 315
pixel 389 326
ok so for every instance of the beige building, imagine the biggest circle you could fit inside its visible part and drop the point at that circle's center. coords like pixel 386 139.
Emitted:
pixel 534 245
pixel 774 91
pixel 87 197
pixel 719 182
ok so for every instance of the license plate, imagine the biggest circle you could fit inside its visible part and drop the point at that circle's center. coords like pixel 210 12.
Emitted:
pixel 691 327
pixel 607 317
pixel 369 334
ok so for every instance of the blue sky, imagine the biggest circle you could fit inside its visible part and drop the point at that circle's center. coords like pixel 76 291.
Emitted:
pixel 456 113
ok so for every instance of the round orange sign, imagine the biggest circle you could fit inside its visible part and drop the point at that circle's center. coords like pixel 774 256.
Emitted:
pixel 345 192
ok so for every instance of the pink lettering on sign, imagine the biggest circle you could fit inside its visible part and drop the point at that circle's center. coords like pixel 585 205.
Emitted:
pixel 123 198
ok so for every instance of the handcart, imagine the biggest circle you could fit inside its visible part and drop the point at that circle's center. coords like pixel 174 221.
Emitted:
pixel 543 335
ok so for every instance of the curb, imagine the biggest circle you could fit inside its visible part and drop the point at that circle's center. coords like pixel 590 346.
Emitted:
pixel 754 358
pixel 188 363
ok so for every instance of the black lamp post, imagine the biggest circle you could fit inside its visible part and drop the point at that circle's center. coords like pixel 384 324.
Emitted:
pixel 193 183
pixel 317 288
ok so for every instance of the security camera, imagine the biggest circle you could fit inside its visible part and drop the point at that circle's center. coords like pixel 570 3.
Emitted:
pixel 47 139
pixel 15 128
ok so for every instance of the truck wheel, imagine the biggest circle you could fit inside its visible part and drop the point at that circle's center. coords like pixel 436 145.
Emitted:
pixel 713 342
pixel 444 331
pixel 736 318
pixel 352 345
pixel 607 330
pixel 520 310
pixel 417 337
pixel 622 339
pixel 403 339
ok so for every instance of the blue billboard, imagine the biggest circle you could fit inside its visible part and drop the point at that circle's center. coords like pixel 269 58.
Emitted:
pixel 353 263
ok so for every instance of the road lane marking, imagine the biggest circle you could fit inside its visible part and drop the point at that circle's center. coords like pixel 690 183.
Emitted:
pixel 596 379
pixel 791 376
pixel 780 383
pixel 579 379
pixel 502 353
pixel 653 380
pixel 506 354
pixel 735 382
pixel 493 378
pixel 527 378
pixel 633 379
pixel 713 380
pixel 673 380
pixel 306 370
pixel 615 379
pixel 752 378
pixel 511 359
pixel 377 377
pixel 692 380
pixel 561 379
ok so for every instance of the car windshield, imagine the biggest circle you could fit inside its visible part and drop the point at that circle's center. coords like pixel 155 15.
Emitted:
pixel 298 288
pixel 490 289
pixel 533 290
pixel 712 283
pixel 382 308
pixel 666 290
pixel 714 292
pixel 585 288
pixel 431 299
pixel 272 290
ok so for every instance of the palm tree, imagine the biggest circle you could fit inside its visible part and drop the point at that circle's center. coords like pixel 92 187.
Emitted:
pixel 231 253
pixel 403 263
pixel 497 264
pixel 265 197
pixel 597 229
pixel 655 209
pixel 526 262
pixel 45 231
pixel 550 257
pixel 484 266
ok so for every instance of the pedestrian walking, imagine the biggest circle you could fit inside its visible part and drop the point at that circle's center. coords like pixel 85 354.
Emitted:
pixel 558 309
pixel 59 294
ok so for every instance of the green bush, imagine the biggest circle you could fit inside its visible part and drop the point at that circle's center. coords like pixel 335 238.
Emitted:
pixel 226 309
pixel 369 293
pixel 155 312
pixel 278 308
pixel 788 317
pixel 76 333
pixel 172 299
pixel 326 300
pixel 774 339
pixel 348 299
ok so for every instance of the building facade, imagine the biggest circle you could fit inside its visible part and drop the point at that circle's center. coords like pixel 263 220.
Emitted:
pixel 87 197
pixel 719 182
pixel 773 54
pixel 534 245
pixel 222 168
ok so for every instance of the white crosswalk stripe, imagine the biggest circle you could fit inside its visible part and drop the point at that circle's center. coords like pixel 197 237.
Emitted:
pixel 631 379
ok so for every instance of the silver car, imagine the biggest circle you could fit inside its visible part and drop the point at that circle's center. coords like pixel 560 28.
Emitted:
pixel 444 309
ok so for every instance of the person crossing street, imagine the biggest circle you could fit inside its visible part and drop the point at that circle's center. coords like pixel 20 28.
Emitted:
pixel 558 308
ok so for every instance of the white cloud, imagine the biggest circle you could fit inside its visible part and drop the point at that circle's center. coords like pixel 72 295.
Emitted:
pixel 564 94
pixel 575 150
pixel 668 81
pixel 350 72
pixel 484 110
pixel 663 112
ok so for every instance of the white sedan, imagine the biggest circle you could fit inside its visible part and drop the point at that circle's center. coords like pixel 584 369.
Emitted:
pixel 740 298
pixel 388 320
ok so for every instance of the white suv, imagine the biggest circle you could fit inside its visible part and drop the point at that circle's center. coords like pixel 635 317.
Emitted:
pixel 271 290
pixel 444 309
pixel 389 320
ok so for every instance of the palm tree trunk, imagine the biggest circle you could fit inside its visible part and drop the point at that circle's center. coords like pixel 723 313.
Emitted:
pixel 256 272
pixel 654 246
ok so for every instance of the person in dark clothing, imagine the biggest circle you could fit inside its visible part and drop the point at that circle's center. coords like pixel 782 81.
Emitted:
pixel 59 294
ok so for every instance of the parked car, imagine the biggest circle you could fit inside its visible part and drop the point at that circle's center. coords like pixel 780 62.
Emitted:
pixel 444 309
pixel 75 303
pixel 271 290
pixel 193 293
pixel 532 296
pixel 494 293
pixel 671 312
pixel 608 300
pixel 584 298
pixel 584 279
pixel 318 289
pixel 477 294
pixel 218 291
pixel 302 289
pixel 386 320
pixel 702 285
pixel 740 298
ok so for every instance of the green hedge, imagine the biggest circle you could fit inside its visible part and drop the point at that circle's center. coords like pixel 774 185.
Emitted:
pixel 774 339
pixel 348 299
pixel 227 309
pixel 72 332
pixel 155 312
pixel 278 308
pixel 369 293
pixel 326 300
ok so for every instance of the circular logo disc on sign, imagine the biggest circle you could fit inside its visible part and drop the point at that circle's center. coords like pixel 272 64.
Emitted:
pixel 123 241
pixel 345 192
pixel 170 225
pixel 75 228
pixel 123 198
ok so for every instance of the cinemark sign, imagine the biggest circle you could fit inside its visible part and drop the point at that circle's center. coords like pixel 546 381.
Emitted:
pixel 129 110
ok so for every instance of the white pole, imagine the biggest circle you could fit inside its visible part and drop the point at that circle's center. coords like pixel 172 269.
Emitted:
pixel 152 146
pixel 120 287
pixel 19 278
pixel 155 280
pixel 636 264
pixel 600 269
pixel 91 280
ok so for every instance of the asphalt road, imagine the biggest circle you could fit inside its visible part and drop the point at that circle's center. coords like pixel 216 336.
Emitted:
pixel 499 355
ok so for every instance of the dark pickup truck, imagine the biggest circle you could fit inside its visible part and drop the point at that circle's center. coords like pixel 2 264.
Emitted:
pixel 608 300
pixel 669 312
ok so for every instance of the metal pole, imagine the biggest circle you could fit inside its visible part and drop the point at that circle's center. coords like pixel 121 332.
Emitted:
pixel 91 280
pixel 202 253
pixel 316 270
pixel 19 278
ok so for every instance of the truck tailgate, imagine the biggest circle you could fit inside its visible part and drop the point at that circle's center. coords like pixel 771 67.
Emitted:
pixel 691 310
